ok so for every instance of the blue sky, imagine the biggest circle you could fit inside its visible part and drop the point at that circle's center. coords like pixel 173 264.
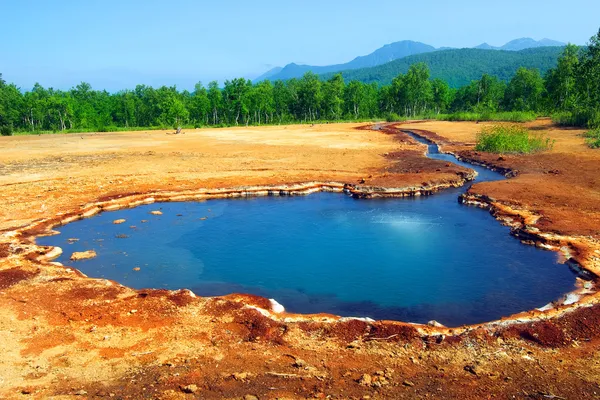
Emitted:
pixel 116 44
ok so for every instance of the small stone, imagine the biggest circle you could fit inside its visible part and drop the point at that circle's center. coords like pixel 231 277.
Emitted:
pixel 250 397
pixel 156 212
pixel 365 380
pixel 240 376
pixel 435 324
pixel 80 393
pixel 299 363
pixel 132 311
pixel 408 383
pixel 136 268
pixel 119 221
pixel 83 255
pixel 26 391
pixel 470 369
pixel 189 389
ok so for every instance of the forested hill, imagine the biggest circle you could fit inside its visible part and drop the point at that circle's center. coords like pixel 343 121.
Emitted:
pixel 387 53
pixel 458 67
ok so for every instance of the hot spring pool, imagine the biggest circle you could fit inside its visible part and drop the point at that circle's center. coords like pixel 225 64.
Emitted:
pixel 413 259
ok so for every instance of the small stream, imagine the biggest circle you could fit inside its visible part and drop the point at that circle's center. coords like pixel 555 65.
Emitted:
pixel 412 259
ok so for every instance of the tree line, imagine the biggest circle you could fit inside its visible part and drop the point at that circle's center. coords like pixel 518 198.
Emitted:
pixel 571 90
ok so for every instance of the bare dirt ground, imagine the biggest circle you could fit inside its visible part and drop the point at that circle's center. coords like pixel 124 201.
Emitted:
pixel 63 335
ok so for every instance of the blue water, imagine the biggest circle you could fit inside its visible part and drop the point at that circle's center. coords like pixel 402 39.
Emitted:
pixel 404 259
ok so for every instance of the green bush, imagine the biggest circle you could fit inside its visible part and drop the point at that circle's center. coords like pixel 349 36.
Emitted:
pixel 6 130
pixel 511 139
pixel 585 119
pixel 393 117
pixel 514 116
pixel 593 138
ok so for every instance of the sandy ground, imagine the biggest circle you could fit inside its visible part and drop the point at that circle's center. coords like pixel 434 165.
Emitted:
pixel 63 335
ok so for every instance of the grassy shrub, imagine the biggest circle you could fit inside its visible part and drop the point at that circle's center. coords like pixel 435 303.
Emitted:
pixel 6 130
pixel 593 138
pixel 514 116
pixel 585 119
pixel 393 117
pixel 511 139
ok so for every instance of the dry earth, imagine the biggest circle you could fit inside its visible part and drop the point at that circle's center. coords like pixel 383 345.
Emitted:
pixel 63 335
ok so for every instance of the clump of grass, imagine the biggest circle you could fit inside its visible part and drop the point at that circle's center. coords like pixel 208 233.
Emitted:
pixel 511 139
pixel 593 138
pixel 514 116
pixel 585 118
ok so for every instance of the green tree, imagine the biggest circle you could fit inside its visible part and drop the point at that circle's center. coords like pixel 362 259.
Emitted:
pixel 354 97
pixel 417 87
pixel 442 96
pixel 216 100
pixel 199 105
pixel 309 96
pixel 333 97
pixel 561 82
pixel 236 100
pixel 525 90
pixel 282 98
pixel 589 74
pixel 262 101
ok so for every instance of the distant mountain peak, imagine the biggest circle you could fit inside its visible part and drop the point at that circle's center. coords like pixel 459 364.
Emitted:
pixel 522 44
pixel 386 53
pixel 485 46
pixel 391 52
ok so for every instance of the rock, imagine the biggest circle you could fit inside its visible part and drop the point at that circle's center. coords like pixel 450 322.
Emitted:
pixel 408 383
pixel 471 369
pixel 435 324
pixel 189 389
pixel 156 212
pixel 136 268
pixel 250 397
pixel 80 393
pixel 365 380
pixel 83 255
pixel 299 363
pixel 240 376
pixel 118 221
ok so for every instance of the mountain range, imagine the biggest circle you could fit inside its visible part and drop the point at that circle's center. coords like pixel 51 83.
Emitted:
pixel 522 44
pixel 391 53
pixel 458 67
